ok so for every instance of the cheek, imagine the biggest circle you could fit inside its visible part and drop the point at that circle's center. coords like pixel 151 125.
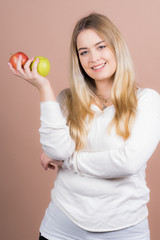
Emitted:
pixel 114 64
pixel 84 64
pixel 113 61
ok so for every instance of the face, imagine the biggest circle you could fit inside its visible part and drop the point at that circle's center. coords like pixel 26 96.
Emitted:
pixel 96 58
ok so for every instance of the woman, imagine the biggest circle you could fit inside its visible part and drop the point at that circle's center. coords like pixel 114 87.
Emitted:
pixel 101 133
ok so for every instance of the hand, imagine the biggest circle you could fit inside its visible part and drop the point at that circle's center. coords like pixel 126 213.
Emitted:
pixel 25 72
pixel 40 82
pixel 47 162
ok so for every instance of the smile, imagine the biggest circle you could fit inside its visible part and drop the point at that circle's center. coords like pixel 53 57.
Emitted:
pixel 97 67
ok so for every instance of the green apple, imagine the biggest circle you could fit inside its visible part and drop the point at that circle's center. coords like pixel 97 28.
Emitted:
pixel 43 66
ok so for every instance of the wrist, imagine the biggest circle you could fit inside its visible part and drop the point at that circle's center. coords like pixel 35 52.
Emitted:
pixel 46 93
pixel 71 163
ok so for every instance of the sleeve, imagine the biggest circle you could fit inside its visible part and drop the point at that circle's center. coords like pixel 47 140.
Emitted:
pixel 135 151
pixel 54 132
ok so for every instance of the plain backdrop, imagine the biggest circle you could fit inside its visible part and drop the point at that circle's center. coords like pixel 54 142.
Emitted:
pixel 43 28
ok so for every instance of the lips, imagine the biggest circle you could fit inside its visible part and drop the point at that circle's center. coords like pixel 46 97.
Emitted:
pixel 99 66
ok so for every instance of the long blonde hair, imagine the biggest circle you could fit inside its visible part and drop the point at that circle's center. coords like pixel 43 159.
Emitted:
pixel 83 88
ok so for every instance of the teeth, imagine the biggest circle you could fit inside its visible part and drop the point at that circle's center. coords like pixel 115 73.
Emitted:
pixel 95 68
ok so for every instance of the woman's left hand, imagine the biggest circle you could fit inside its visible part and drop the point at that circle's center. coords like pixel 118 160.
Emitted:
pixel 47 162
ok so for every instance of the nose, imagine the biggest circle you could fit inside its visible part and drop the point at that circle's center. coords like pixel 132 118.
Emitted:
pixel 94 57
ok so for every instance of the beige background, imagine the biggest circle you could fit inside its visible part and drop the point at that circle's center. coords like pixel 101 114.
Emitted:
pixel 44 28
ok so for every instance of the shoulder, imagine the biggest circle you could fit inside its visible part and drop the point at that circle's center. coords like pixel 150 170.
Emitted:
pixel 63 95
pixel 148 96
pixel 148 102
pixel 62 99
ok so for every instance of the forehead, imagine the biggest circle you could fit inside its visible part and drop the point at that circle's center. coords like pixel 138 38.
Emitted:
pixel 88 38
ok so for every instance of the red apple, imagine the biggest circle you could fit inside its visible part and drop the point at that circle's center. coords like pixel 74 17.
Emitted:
pixel 14 58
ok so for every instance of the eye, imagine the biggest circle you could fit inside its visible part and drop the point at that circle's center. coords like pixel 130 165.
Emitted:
pixel 102 47
pixel 83 53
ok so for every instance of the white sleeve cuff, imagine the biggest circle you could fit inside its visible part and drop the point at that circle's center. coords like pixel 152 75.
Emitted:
pixel 71 163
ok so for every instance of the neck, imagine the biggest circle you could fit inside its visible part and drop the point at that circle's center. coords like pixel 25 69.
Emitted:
pixel 104 88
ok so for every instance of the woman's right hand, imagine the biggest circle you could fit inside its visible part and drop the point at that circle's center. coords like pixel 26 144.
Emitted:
pixel 34 78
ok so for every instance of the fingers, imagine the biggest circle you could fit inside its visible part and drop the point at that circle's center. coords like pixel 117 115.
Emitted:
pixel 51 166
pixel 31 76
pixel 42 155
pixel 25 72
pixel 44 159
pixel 46 162
pixel 27 67
pixel 14 71
pixel 19 66
pixel 58 163
pixel 34 67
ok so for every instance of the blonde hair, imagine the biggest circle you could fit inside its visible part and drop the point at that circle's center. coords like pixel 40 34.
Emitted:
pixel 83 88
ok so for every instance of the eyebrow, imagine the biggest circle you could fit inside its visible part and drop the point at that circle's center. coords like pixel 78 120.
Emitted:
pixel 83 48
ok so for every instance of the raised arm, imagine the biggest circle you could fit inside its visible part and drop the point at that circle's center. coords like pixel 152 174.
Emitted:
pixel 134 153
pixel 54 132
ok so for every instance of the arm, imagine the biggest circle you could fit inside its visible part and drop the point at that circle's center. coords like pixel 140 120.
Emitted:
pixel 134 153
pixel 54 132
